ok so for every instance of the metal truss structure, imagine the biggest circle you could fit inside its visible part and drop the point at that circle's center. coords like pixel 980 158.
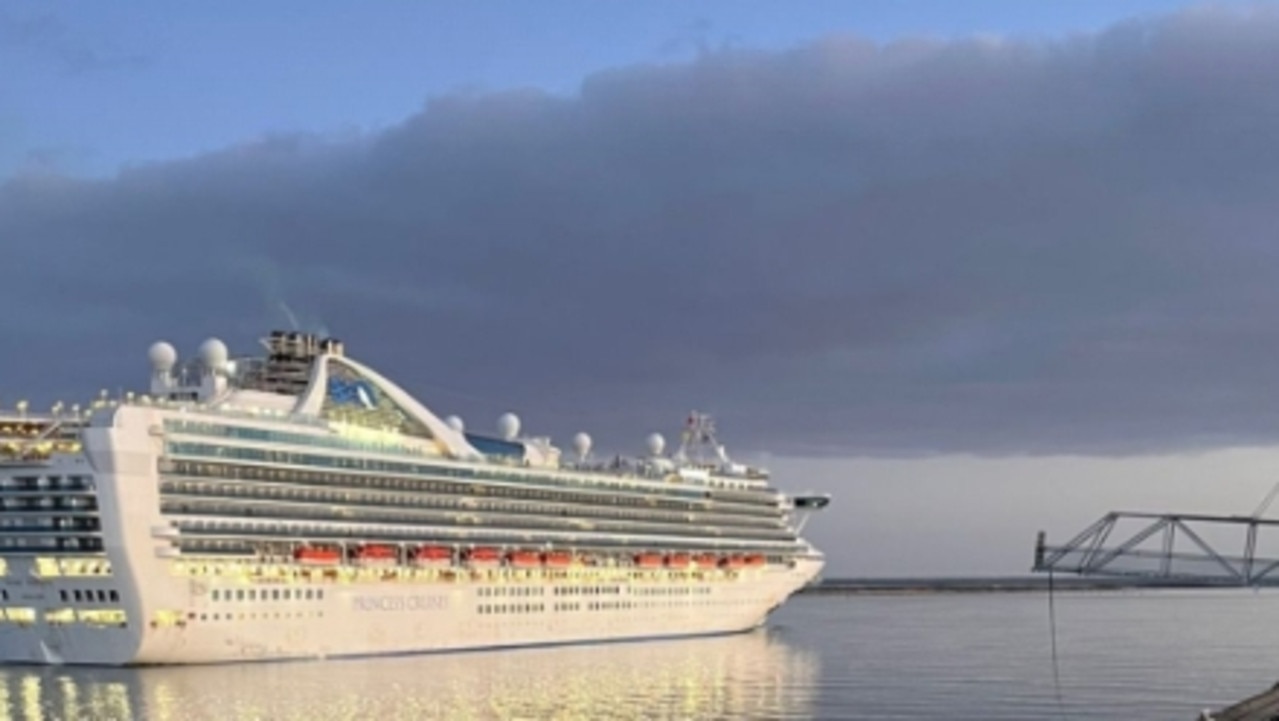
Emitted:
pixel 1189 549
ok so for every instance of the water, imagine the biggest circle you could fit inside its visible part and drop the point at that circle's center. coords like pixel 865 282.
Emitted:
pixel 1139 655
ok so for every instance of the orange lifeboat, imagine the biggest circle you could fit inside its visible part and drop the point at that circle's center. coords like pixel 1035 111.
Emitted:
pixel 649 560
pixel 317 556
pixel 483 556
pixel 375 554
pixel 524 559
pixel 557 559
pixel 732 562
pixel 433 555
pixel 678 560
pixel 755 560
pixel 706 560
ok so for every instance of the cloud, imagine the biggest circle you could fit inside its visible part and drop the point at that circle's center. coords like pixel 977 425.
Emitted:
pixel 984 245
pixel 54 158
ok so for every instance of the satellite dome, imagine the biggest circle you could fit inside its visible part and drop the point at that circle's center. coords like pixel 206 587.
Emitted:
pixel 508 425
pixel 213 354
pixel 455 422
pixel 163 356
pixel 582 444
pixel 656 444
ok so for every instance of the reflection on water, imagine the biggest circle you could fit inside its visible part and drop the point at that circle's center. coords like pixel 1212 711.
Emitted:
pixel 750 675
pixel 1135 656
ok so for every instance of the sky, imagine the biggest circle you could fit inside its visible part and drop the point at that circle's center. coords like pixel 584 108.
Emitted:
pixel 975 268
pixel 94 87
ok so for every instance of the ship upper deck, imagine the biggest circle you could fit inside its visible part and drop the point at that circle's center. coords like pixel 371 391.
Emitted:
pixel 306 392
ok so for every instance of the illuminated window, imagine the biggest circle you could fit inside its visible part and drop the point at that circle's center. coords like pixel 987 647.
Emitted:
pixel 116 617
pixel 59 616
pixel 20 615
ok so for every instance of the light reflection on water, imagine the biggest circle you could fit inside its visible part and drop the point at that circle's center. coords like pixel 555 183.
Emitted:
pixel 754 675
pixel 1124 656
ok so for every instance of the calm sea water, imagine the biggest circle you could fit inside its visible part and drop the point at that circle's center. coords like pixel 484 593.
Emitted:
pixel 1130 656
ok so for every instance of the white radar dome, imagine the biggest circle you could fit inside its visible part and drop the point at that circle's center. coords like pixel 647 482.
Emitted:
pixel 213 354
pixel 455 422
pixel 656 444
pixel 582 444
pixel 163 356
pixel 508 425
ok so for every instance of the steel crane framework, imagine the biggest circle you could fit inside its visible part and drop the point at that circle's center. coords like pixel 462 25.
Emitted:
pixel 1192 549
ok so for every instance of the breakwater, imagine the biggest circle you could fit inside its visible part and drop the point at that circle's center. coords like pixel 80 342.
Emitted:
pixel 991 584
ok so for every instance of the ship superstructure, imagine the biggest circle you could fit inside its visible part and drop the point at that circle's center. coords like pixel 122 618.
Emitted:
pixel 302 505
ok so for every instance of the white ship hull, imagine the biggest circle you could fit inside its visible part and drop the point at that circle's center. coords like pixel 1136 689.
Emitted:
pixel 377 617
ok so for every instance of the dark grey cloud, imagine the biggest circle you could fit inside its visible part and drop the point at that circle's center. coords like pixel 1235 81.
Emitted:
pixel 925 246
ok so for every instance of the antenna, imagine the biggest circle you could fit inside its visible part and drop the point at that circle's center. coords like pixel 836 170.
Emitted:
pixel 699 433
pixel 288 313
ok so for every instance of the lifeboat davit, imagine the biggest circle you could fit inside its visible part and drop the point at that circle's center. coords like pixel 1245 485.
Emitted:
pixel 375 554
pixel 317 556
pixel 524 559
pixel 706 560
pixel 649 560
pixel 557 559
pixel 433 555
pixel 483 557
pixel 678 560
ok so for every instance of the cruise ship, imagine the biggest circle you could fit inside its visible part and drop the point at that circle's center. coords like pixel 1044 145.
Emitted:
pixel 298 504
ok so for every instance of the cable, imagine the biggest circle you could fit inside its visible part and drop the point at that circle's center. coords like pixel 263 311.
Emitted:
pixel 1265 502
pixel 1052 634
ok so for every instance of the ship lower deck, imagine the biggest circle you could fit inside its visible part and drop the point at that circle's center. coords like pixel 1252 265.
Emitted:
pixel 236 617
